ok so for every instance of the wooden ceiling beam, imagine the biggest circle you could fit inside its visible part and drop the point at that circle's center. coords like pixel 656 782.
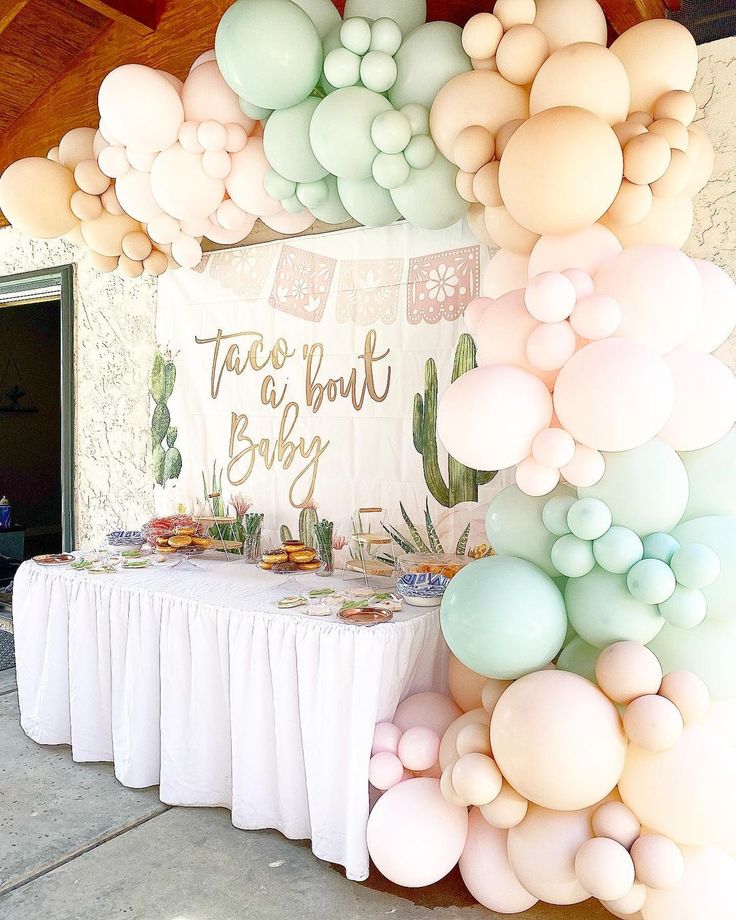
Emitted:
pixel 139 15
pixel 623 14
pixel 9 9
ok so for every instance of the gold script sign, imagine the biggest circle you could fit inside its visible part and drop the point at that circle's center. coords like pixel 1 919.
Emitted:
pixel 246 352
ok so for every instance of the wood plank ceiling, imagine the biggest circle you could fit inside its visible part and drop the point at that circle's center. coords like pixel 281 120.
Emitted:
pixel 55 53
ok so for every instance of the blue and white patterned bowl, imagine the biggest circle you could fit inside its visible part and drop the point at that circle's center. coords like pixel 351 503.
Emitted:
pixel 125 538
pixel 422 585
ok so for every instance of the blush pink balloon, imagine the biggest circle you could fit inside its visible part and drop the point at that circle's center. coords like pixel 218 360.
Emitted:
pixel 587 249
pixel 534 478
pixel 705 400
pixel 386 737
pixel 659 862
pixel 429 709
pixel 207 97
pixel 551 345
pixel 385 770
pixel 163 229
pixel 419 748
pixel 550 297
pixel 186 251
pixel 607 410
pixel 245 182
pixel 487 872
pixel 475 311
pixel 653 723
pixel 489 416
pixel 113 161
pixel 134 193
pixel 236 235
pixel 140 161
pixel 718 317
pixel 140 107
pixel 291 224
pixel 216 164
pixel 180 186
pixel 586 467
pixel 507 271
pixel 414 835
pixel 689 693
pixel 188 137
pixel 626 670
pixel 604 868
pixel 581 280
pixel 596 317
pixel 553 447
pixel 236 139
pixel 617 822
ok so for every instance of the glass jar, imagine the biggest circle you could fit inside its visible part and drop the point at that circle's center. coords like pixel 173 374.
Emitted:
pixel 326 556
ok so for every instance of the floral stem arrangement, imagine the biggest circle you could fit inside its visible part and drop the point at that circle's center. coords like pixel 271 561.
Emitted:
pixel 323 538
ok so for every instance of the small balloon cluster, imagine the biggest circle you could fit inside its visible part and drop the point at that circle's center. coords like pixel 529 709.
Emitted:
pixel 567 798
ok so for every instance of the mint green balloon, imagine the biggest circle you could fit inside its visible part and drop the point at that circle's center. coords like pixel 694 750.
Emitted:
pixel 554 513
pixel 269 52
pixel 390 170
pixel 618 549
pixel 385 36
pixel 331 210
pixel 580 658
pixel 340 131
pixel 651 581
pixel 367 202
pixel 695 565
pixel 503 617
pixel 278 187
pixel 429 198
pixel 391 132
pixel 572 556
pixel 429 57
pixel 660 546
pixel 407 14
pixel 378 71
pixel 712 482
pixel 420 151
pixel 686 608
pixel 331 42
pixel 286 143
pixel 514 525
pixel 709 650
pixel 256 112
pixel 719 533
pixel 355 34
pixel 342 68
pixel 292 205
pixel 312 194
pixel 602 610
pixel 323 13
pixel 589 518
pixel 646 488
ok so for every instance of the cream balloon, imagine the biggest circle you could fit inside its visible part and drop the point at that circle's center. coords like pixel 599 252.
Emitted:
pixel 448 746
pixel 631 205
pixel 85 206
pixel 507 810
pixel 646 158
pixel 476 779
pixel 689 693
pixel 512 13
pixel 481 36
pixel 140 107
pixel 137 246
pixel 474 739
pixel 508 233
pixel 181 188
pixel 626 670
pixel 156 264
pixel 653 723
pixel 659 862
pixel 707 890
pixel 566 22
pixel 676 104
pixel 605 869
pixel 77 145
pixel 105 233
pixel 523 50
pixel 129 268
pixel 465 685
pixel 35 196
pixel 617 822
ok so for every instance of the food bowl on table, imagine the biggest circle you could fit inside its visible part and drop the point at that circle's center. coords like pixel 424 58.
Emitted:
pixel 178 535
pixel 424 577
pixel 125 538
pixel 291 557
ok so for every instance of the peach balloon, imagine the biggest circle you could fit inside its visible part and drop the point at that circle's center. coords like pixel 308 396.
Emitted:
pixel 105 264
pixel 105 233
pixel 587 249
pixel 465 685
pixel 478 97
pixel 646 158
pixel 605 869
pixel 156 263
pixel 508 233
pixel 669 222
pixel 505 133
pixel 596 317
pixel 558 740
pixel 448 790
pixel 419 748
pixel 653 723
pixel 487 872
pixel 113 161
pixel 75 146
pixel 626 130
pixel 137 245
pixel 565 22
pixel 707 890
pixel 129 268
pixel 90 178
pixel 551 345
pixel 476 779
pixel 474 739
pixel 626 670
pixel 535 478
pixel 414 835
pixel 140 107
pixel 35 195
pixel 586 75
pixel 492 691
pixel 659 55
pixel 522 51
pixel 485 185
pixel 476 217
pixel 110 201
pixel 507 810
pixel 512 13
pixel 560 171
pixel 429 709
pixel 705 400
pixel 630 905
pixel 673 131
pixel 244 184
pixel 473 148
pixel 689 693
pixel 542 852
pixel 677 104
pixel 85 206
pixel 686 793
pixel 586 467
pixel 676 177
pixel 291 224
pixel 187 251
pixel 464 186
pixel 658 861
pixel 385 770
pixel 605 410
pixel 507 271
pixel 514 406
pixel 632 203
pixel 53 154
pixel 617 822
pixel 181 188
pixel 448 746
pixel 481 36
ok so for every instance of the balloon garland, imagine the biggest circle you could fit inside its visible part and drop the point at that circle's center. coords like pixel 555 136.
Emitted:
pixel 589 748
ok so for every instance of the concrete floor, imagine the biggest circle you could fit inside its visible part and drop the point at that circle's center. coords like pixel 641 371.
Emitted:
pixel 76 845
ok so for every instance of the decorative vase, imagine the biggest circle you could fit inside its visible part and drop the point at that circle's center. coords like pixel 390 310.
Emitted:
pixel 326 556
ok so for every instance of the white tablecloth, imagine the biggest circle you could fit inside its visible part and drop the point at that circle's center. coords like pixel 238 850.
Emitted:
pixel 197 682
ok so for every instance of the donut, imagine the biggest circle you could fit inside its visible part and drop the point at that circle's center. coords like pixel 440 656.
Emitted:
pixel 304 555
pixel 275 557
pixel 310 566
pixel 265 565
pixel 285 567
pixel 180 541
pixel 293 546
pixel 201 541
pixel 187 531
pixel 165 549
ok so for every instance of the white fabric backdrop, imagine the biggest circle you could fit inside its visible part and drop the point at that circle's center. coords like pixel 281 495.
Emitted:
pixel 197 682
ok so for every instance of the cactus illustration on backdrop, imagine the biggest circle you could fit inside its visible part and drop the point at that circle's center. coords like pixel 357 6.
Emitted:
pixel 167 460
pixel 462 482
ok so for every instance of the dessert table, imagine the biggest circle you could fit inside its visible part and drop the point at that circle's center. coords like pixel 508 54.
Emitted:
pixel 196 681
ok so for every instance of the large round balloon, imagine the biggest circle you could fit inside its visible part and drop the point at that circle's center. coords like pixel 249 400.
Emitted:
pixel 340 131
pixel 323 14
pixel 486 869
pixel 659 55
pixel 719 533
pixel 580 658
pixel 514 525
pixel 712 485
pixel 688 792
pixel 587 250
pixel 669 222
pixel 34 196
pixel 503 617
pixel 565 22
pixel 707 650
pixel 134 193
pixel 245 183
pixel 141 108
pixel 489 416
pixel 558 740
pixel 586 75
pixel 207 97
pixel 606 409
pixel 705 400
pixel 408 14
pixel 707 890
pixel 660 292
pixel 646 488
pixel 602 610
pixel 428 58
pixel 287 146
pixel 77 145
pixel 542 852
pixel 414 835
pixel 182 188
pixel 718 317
pixel 429 197
pixel 561 170
pixel 269 52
